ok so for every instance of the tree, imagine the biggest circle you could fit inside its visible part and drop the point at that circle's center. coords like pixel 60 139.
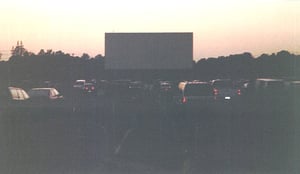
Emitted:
pixel 99 56
pixel 59 53
pixel 19 50
pixel 42 52
pixel 85 56
pixel 49 52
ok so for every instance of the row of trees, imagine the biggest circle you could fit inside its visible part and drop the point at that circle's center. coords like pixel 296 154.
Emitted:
pixel 280 65
pixel 62 67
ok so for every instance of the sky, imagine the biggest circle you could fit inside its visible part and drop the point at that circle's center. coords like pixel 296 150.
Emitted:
pixel 220 27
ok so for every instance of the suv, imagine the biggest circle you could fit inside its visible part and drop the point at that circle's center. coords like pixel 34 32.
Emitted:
pixel 270 88
pixel 224 89
pixel 196 94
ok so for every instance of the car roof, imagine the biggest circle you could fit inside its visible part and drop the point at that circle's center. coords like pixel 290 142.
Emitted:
pixel 196 83
pixel 221 80
pixel 42 88
pixel 269 80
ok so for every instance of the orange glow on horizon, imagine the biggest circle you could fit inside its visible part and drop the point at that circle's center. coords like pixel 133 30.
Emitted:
pixel 219 27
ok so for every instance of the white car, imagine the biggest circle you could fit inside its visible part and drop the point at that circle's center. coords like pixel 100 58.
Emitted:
pixel 79 84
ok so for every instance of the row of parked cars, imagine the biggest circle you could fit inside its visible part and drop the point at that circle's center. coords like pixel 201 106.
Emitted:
pixel 261 91
pixel 204 94
pixel 17 99
pixel 192 92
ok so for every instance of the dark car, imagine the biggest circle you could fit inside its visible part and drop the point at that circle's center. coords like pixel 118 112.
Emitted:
pixel 195 95
pixel 271 92
pixel 225 89
pixel 270 88
pixel 89 88
pixel 47 99
pixel 44 94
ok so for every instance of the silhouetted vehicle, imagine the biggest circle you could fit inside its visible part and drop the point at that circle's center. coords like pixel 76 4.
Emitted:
pixel 293 91
pixel 12 99
pixel 225 89
pixel 270 91
pixel 164 90
pixel 273 87
pixel 126 90
pixel 89 88
pixel 135 91
pixel 196 95
pixel 79 84
pixel 294 86
pixel 44 94
pixel 165 86
pixel 47 100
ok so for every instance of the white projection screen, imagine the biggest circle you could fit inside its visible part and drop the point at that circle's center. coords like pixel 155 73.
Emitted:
pixel 132 51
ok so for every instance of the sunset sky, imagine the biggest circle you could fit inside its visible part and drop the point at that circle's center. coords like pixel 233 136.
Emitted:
pixel 220 27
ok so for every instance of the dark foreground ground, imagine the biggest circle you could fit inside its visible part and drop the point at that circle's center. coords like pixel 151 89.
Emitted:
pixel 105 135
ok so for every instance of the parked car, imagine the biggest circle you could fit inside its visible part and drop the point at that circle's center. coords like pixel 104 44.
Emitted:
pixel 295 86
pixel 271 91
pixel 225 89
pixel 79 84
pixel 89 88
pixel 13 99
pixel 197 95
pixel 294 93
pixel 44 94
pixel 47 100
pixel 164 90
pixel 270 87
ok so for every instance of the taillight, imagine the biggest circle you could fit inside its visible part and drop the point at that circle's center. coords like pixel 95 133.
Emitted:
pixel 216 91
pixel 86 88
pixel 93 88
pixel 239 92
pixel 184 100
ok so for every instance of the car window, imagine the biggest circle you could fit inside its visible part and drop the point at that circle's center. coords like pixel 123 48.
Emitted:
pixel 25 95
pixel 14 94
pixel 55 92
pixel 20 94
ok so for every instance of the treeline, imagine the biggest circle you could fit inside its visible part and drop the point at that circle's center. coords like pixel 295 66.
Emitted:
pixel 61 67
pixel 280 65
